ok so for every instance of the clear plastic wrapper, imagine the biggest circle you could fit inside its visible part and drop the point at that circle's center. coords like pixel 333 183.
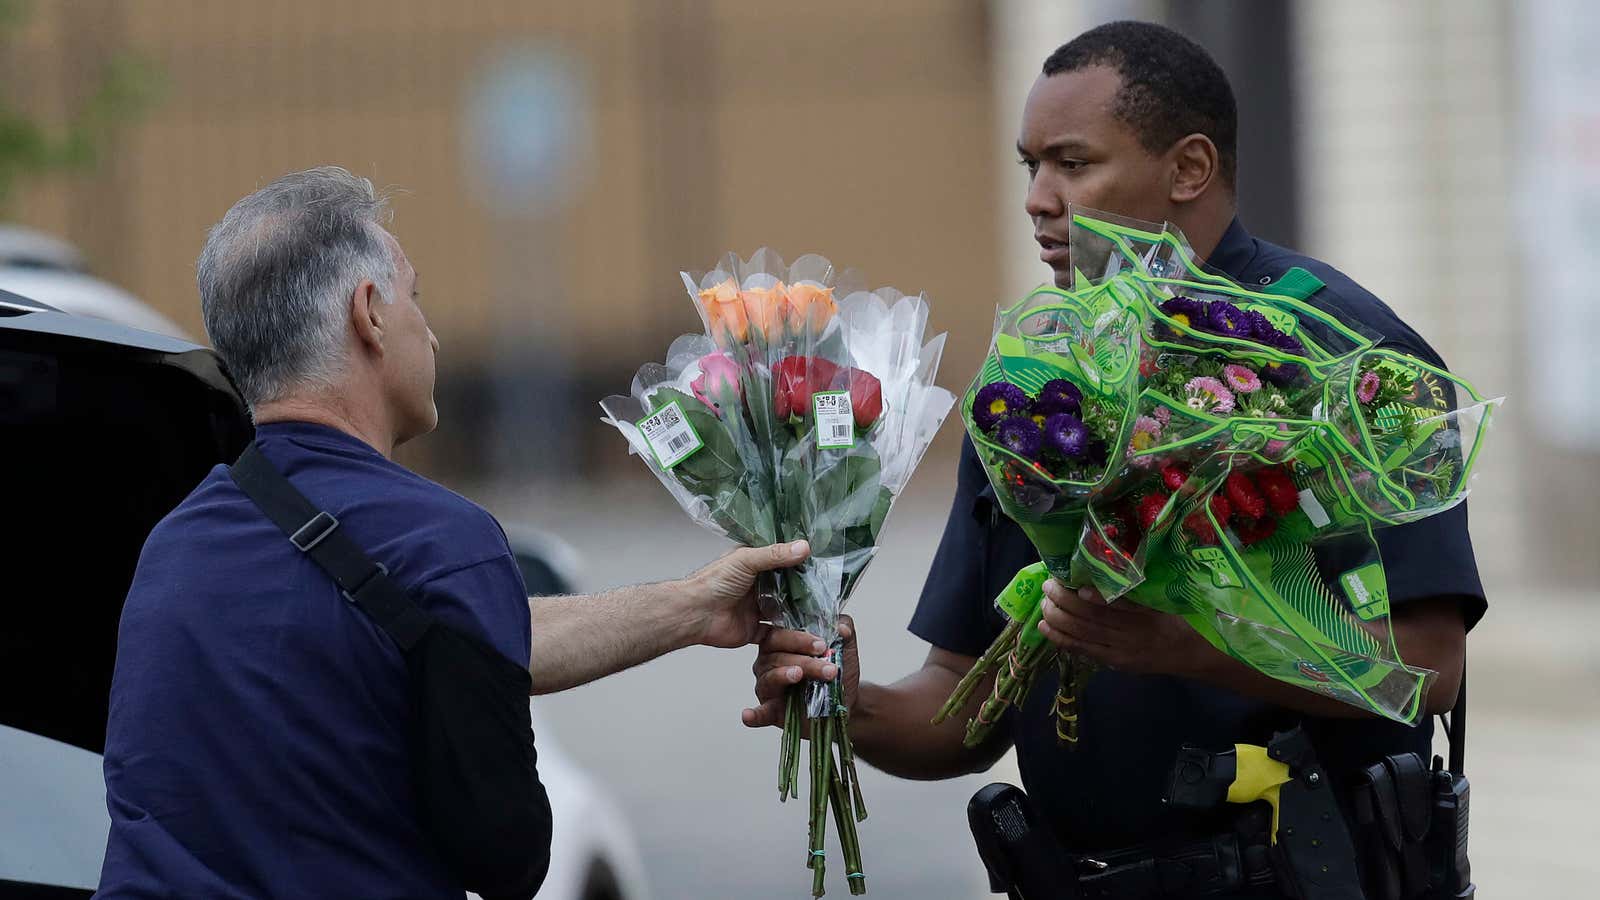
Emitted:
pixel 800 413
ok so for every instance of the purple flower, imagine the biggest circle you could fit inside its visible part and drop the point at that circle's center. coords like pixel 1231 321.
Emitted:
pixel 1186 311
pixel 1097 454
pixel 1058 396
pixel 1225 319
pixel 1367 390
pixel 1280 374
pixel 997 401
pixel 1280 341
pixel 1261 327
pixel 1019 435
pixel 1066 435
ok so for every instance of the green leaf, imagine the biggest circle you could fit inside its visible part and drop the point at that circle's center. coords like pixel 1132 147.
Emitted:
pixel 799 594
pixel 714 464
pixel 664 396
pixel 794 479
pixel 845 488
pixel 746 520
pixel 880 512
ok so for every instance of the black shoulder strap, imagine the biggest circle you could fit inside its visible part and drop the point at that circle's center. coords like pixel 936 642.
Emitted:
pixel 316 534
pixel 1457 730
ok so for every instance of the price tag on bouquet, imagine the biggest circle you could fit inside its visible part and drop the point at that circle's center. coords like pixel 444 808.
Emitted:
pixel 670 436
pixel 836 420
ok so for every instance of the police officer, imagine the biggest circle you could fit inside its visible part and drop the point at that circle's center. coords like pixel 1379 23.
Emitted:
pixel 1135 119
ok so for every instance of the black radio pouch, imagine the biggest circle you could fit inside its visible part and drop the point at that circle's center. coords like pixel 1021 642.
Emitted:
pixel 473 765
pixel 1410 822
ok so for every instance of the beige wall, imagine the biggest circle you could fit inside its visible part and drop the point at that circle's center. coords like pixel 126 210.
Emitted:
pixel 1408 117
pixel 862 131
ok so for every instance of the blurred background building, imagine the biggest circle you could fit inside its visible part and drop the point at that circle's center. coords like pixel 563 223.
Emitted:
pixel 558 163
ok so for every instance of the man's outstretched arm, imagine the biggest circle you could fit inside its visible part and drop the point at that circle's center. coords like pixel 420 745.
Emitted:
pixel 577 639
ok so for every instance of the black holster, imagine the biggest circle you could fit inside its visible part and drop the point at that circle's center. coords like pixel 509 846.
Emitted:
pixel 1025 862
pixel 1410 823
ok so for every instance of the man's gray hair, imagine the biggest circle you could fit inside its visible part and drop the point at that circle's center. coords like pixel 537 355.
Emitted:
pixel 277 273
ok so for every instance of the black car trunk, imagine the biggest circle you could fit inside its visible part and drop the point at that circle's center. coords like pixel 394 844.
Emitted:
pixel 103 430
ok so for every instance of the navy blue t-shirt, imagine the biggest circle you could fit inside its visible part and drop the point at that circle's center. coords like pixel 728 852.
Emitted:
pixel 256 745
pixel 1107 792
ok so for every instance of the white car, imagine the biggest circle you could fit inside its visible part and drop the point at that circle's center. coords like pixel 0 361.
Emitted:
pixel 108 417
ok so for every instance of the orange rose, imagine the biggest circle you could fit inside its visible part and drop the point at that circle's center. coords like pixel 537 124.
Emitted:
pixel 765 308
pixel 725 307
pixel 810 306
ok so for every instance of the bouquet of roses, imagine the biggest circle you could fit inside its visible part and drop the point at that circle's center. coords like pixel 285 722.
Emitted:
pixel 1266 442
pixel 796 415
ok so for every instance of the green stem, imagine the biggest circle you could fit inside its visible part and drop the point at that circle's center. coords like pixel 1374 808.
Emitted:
pixel 847 755
pixel 813 839
pixel 969 682
pixel 1010 687
pixel 849 841
pixel 1075 674
pixel 789 748
pixel 822 753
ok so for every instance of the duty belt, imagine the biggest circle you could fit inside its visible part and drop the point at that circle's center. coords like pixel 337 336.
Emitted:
pixel 1223 866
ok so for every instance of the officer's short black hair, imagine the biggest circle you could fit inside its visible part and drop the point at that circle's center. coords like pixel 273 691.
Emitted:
pixel 1171 87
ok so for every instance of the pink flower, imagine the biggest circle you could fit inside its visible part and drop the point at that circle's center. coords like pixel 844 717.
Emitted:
pixel 1275 449
pixel 1163 415
pixel 1146 431
pixel 1367 390
pixel 1241 379
pixel 719 377
pixel 1207 394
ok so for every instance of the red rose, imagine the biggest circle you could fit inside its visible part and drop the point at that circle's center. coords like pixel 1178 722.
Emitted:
pixel 795 379
pixel 1221 510
pixel 1256 531
pixel 1245 498
pixel 866 397
pixel 1198 525
pixel 1122 540
pixel 1173 475
pixel 1150 509
pixel 1279 490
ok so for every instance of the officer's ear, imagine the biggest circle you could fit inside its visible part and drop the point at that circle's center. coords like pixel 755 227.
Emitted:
pixel 1195 166
pixel 366 315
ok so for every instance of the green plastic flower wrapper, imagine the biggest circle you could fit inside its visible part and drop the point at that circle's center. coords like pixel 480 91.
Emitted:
pixel 1046 414
pixel 1267 440
pixel 800 413
pixel 1223 369
pixel 1260 464
pixel 1267 446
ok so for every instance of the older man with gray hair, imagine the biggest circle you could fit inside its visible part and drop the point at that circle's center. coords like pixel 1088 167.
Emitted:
pixel 257 742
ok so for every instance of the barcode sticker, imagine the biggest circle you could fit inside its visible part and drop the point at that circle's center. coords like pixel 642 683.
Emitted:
pixel 670 436
pixel 836 421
